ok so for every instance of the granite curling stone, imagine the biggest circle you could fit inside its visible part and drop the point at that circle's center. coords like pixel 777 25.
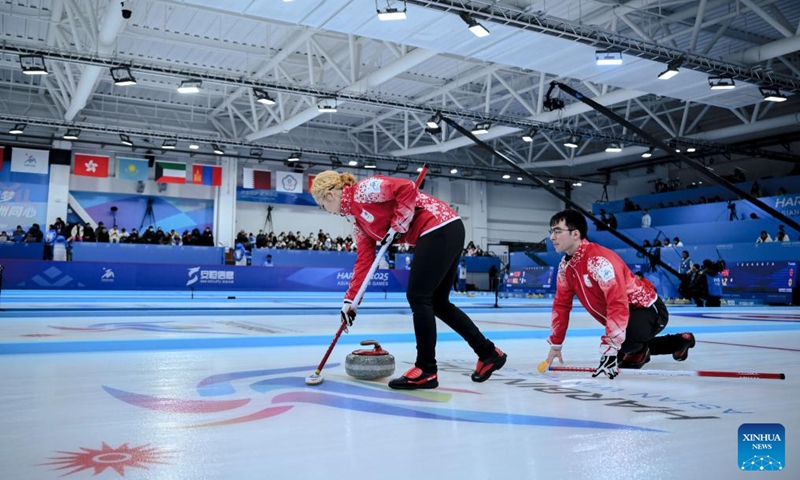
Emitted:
pixel 369 364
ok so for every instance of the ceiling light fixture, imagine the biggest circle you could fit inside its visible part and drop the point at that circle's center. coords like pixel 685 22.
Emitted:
pixel 391 13
pixel 370 164
pixel 353 163
pixel 481 128
pixel 476 28
pixel 528 137
pixel 572 142
pixel 294 157
pixel 327 105
pixel 190 86
pixel 506 176
pixel 217 149
pixel 648 153
pixel 672 69
pixel 691 150
pixel 18 129
pixel 125 139
pixel 32 65
pixel 72 134
pixel 262 97
pixel 608 57
pixel 453 171
pixel 401 167
pixel 614 148
pixel 434 120
pixel 335 162
pixel 772 94
pixel 169 144
pixel 122 76
pixel 723 82
pixel 194 146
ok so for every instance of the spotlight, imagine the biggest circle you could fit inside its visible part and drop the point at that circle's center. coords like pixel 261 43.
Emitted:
pixel 506 176
pixel 453 171
pixel 125 139
pixel 572 142
pixel 389 13
pixel 723 82
pixel 32 65
pixel 648 153
pixel 528 137
pixel 608 57
pixel 262 97
pixel 419 169
pixel 434 120
pixel 335 162
pixel 256 152
pixel 772 94
pixel 217 149
pixel 294 157
pixel 72 134
pixel 169 144
pixel 481 128
pixel 370 164
pixel 672 69
pixel 194 146
pixel 576 184
pixel 122 76
pixel 327 105
pixel 519 179
pixel 353 163
pixel 691 150
pixel 614 148
pixel 190 86
pixel 18 129
pixel 551 181
pixel 476 28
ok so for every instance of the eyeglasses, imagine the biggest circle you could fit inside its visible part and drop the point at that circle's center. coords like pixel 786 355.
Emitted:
pixel 559 231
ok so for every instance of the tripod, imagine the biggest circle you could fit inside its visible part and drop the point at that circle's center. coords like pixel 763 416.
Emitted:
pixel 268 220
pixel 148 215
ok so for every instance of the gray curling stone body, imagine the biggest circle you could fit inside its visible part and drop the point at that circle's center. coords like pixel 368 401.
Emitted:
pixel 369 364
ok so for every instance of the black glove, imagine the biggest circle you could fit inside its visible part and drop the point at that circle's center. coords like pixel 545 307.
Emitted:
pixel 348 312
pixel 608 365
pixel 390 237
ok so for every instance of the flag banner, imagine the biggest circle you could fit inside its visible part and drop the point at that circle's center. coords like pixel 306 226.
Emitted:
pixel 289 182
pixel 132 169
pixel 90 165
pixel 207 175
pixel 311 182
pixel 2 157
pixel 26 160
pixel 170 172
pixel 254 178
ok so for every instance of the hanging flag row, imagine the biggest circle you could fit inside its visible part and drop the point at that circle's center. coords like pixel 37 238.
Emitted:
pixel 137 169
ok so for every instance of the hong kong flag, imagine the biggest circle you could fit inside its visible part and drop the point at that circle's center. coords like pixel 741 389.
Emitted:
pixel 91 165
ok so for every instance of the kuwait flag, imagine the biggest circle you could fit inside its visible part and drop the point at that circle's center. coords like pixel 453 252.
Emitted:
pixel 91 165
pixel 207 175
pixel 259 179
pixel 170 172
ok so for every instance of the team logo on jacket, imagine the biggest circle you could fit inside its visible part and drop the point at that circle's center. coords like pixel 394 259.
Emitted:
pixel 601 270
pixel 367 216
pixel 587 280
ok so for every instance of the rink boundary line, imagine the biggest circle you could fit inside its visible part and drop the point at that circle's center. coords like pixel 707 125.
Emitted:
pixel 86 346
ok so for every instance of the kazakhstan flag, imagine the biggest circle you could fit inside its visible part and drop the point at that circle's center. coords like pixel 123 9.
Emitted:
pixel 132 169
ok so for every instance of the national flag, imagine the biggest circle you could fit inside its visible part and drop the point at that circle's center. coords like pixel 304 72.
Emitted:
pixel 207 175
pixel 90 165
pixel 289 182
pixel 311 182
pixel 254 178
pixel 132 169
pixel 170 172
pixel 27 160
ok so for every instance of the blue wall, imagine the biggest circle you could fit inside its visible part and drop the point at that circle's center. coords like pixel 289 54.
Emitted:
pixel 143 253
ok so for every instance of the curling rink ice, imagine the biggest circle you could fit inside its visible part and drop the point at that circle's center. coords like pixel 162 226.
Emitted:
pixel 154 385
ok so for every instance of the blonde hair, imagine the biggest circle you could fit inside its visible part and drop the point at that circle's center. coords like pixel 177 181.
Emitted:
pixel 330 180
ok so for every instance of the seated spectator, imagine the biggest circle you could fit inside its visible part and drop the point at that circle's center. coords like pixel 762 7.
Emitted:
pixel 102 233
pixel 4 237
pixel 34 235
pixel 268 261
pixel 612 221
pixel 113 235
pixel 627 205
pixel 763 237
pixel 781 236
pixel 123 236
pixel 676 242
pixel 18 235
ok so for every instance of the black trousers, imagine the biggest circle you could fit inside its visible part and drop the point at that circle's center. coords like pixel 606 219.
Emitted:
pixel 433 271
pixel 643 326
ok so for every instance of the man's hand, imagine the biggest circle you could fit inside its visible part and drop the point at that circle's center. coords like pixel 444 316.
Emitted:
pixel 349 312
pixel 555 352
pixel 608 366
pixel 391 236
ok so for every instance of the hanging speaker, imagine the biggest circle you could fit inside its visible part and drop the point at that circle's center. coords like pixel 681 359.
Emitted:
pixel 140 187
pixel 151 160
pixel 60 157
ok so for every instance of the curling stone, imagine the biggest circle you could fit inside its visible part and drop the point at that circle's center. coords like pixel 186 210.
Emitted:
pixel 369 364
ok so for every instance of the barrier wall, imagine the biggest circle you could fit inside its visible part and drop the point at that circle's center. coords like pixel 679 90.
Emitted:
pixel 304 258
pixel 36 275
pixel 30 251
pixel 145 253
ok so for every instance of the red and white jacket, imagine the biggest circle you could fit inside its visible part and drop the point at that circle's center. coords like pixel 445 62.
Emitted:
pixel 605 287
pixel 379 202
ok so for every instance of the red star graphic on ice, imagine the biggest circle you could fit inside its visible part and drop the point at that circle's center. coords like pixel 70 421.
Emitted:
pixel 108 457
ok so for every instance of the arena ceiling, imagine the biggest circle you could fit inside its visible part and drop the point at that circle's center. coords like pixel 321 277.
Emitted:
pixel 386 78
